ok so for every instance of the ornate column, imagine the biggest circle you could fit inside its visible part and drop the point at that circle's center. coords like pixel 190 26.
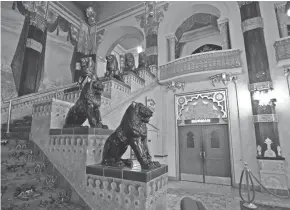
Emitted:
pixel 28 62
pixel 171 47
pixel 223 25
pixel 149 21
pixel 281 15
pixel 263 102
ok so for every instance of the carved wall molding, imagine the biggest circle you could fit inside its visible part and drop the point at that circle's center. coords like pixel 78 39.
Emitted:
pixel 260 86
pixel 253 23
pixel 218 97
pixel 265 118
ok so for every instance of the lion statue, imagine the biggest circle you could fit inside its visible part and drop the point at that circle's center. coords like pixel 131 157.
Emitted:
pixel 87 107
pixel 129 63
pixel 142 61
pixel 131 132
pixel 112 69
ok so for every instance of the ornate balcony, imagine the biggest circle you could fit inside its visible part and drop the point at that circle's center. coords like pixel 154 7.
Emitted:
pixel 202 65
pixel 282 50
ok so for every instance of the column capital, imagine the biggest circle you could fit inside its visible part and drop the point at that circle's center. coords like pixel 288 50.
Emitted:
pixel 222 20
pixel 171 36
pixel 242 3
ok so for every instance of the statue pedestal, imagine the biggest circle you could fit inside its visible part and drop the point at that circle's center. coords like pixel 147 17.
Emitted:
pixel 134 81
pixel 147 76
pixel 116 188
pixel 274 176
pixel 115 89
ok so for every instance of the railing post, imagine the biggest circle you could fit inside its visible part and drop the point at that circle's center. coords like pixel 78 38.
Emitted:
pixel 9 116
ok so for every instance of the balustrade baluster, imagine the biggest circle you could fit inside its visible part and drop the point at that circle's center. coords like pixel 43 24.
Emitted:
pixel 9 116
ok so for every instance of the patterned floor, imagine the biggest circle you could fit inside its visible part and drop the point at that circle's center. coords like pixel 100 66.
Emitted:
pixel 26 184
pixel 218 197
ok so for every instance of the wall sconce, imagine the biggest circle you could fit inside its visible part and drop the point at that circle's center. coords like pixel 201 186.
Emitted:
pixel 225 78
pixel 265 97
pixel 287 8
pixel 175 85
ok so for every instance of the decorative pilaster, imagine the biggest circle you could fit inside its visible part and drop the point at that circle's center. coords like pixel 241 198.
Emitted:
pixel 149 21
pixel 281 15
pixel 171 47
pixel 263 102
pixel 223 26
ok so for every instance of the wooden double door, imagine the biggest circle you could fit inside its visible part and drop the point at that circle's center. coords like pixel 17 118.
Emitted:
pixel 204 154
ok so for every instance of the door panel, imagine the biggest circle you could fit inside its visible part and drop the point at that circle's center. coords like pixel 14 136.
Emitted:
pixel 217 154
pixel 190 144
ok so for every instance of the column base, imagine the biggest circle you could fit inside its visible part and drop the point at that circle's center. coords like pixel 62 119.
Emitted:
pixel 116 188
pixel 273 176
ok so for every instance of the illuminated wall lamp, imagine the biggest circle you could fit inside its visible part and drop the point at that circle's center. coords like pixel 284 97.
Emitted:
pixel 265 97
pixel 287 8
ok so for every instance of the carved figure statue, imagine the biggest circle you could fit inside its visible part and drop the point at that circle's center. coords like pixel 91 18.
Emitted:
pixel 129 63
pixel 142 61
pixel 132 132
pixel 87 107
pixel 87 66
pixel 112 69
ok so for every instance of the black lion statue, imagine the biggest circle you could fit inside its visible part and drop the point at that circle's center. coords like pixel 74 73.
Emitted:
pixel 112 69
pixel 87 107
pixel 129 63
pixel 131 132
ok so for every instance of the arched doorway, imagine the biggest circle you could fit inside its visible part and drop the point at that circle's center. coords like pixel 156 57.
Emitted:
pixel 203 139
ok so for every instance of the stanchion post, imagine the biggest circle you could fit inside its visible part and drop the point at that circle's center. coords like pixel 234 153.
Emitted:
pixel 9 116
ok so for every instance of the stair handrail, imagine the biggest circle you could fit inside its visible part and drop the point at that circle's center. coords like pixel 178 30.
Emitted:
pixel 34 95
pixel 249 177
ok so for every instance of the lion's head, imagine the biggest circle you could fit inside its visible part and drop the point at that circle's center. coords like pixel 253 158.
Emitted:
pixel 112 63
pixel 129 62
pixel 138 112
pixel 97 87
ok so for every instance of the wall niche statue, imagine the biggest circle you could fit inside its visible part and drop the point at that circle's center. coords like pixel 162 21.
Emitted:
pixel 129 63
pixel 112 69
pixel 132 132
pixel 87 107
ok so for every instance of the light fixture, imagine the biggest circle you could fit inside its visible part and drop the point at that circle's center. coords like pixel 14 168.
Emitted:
pixel 287 8
pixel 139 49
pixel 264 97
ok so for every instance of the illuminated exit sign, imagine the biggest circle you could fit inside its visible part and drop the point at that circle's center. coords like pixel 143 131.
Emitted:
pixel 200 121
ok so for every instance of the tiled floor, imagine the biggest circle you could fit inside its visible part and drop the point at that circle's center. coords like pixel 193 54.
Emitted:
pixel 215 197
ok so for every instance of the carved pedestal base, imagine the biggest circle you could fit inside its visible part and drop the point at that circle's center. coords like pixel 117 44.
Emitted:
pixel 115 89
pixel 134 81
pixel 273 176
pixel 115 188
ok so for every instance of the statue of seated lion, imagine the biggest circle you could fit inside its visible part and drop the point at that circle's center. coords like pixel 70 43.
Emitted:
pixel 131 132
pixel 112 69
pixel 87 107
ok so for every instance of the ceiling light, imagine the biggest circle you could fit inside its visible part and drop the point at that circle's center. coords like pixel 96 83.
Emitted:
pixel 139 49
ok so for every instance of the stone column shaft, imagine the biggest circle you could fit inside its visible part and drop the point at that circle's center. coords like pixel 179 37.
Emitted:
pixel 223 26
pixel 171 47
pixel 281 15
pixel 264 115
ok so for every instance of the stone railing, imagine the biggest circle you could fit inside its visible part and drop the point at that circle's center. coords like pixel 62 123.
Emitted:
pixel 147 75
pixel 134 81
pixel 282 51
pixel 208 61
pixel 116 90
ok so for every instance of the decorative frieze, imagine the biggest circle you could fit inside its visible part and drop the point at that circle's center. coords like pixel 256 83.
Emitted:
pixel 260 86
pixel 265 118
pixel 208 61
pixel 253 23
pixel 243 3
